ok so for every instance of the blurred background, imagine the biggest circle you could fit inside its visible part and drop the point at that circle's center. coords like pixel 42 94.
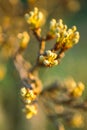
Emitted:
pixel 73 12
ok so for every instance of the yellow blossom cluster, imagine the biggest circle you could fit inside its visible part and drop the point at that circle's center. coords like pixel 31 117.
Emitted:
pixel 35 18
pixel 30 110
pixel 77 120
pixel 78 90
pixel 28 96
pixel 24 39
pixel 48 59
pixel 74 89
pixel 66 38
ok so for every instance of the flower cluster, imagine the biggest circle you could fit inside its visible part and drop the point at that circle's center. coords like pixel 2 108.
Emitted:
pixel 74 89
pixel 28 96
pixel 48 59
pixel 35 18
pixel 66 38
pixel 24 39
pixel 78 90
pixel 30 110
pixel 77 120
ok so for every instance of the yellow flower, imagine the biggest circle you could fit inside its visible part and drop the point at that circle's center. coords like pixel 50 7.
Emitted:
pixel 78 90
pixel 77 120
pixel 24 39
pixel 27 95
pixel 70 84
pixel 35 18
pixel 49 59
pixel 30 110
pixel 23 91
pixel 66 38
pixel 53 27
